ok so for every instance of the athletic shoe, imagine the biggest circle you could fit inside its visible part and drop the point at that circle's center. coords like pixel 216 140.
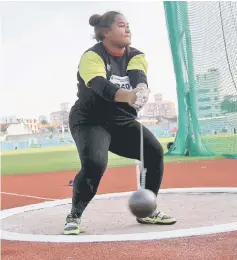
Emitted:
pixel 72 226
pixel 157 217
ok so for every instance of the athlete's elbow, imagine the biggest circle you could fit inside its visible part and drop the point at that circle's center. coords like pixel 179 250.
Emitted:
pixel 104 89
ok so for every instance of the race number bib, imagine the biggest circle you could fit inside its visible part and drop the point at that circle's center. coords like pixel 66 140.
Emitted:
pixel 122 82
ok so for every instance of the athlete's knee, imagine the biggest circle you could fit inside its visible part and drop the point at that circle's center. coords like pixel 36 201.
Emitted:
pixel 153 155
pixel 92 171
pixel 156 150
pixel 95 165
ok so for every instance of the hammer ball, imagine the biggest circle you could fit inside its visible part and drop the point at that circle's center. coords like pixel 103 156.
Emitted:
pixel 142 203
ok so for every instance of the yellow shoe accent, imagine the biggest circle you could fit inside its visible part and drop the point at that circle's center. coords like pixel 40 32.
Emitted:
pixel 71 229
pixel 157 218
pixel 72 226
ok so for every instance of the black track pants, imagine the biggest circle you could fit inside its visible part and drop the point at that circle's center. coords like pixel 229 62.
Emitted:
pixel 93 144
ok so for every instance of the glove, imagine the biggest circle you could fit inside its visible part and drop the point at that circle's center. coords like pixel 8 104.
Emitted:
pixel 142 96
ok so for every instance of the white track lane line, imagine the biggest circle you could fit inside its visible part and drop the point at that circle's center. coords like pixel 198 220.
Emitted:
pixel 26 196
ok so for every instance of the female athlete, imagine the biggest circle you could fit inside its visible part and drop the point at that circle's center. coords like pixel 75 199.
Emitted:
pixel 112 88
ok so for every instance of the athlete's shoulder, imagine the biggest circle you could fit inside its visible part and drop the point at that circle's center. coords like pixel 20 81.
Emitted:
pixel 92 55
pixel 134 52
pixel 97 48
pixel 137 60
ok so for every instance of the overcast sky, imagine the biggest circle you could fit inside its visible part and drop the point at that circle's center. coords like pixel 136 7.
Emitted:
pixel 42 43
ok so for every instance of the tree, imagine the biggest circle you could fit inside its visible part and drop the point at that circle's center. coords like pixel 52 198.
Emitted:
pixel 229 104
pixel 44 122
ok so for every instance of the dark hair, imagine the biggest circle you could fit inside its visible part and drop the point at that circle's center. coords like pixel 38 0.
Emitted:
pixel 100 22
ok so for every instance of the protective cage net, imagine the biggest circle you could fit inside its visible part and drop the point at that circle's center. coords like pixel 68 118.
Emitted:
pixel 203 41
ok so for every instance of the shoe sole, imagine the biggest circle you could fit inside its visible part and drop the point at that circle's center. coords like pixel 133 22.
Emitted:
pixel 71 232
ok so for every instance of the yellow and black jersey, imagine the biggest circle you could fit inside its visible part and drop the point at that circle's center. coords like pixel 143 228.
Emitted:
pixel 100 74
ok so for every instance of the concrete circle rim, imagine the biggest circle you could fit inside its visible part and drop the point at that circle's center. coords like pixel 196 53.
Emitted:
pixel 207 230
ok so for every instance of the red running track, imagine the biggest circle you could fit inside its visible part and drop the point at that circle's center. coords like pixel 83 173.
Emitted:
pixel 217 173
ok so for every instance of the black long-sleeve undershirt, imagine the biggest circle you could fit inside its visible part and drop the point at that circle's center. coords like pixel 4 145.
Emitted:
pixel 104 88
pixel 107 90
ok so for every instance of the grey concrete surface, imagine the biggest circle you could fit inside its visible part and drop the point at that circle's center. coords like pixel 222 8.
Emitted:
pixel 111 216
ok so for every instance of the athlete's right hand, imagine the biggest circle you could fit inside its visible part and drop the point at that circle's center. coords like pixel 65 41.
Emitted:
pixel 132 96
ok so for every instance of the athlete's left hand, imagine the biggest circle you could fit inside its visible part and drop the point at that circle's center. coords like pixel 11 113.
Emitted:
pixel 142 96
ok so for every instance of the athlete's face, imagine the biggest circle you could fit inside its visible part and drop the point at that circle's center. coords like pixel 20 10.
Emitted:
pixel 119 34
